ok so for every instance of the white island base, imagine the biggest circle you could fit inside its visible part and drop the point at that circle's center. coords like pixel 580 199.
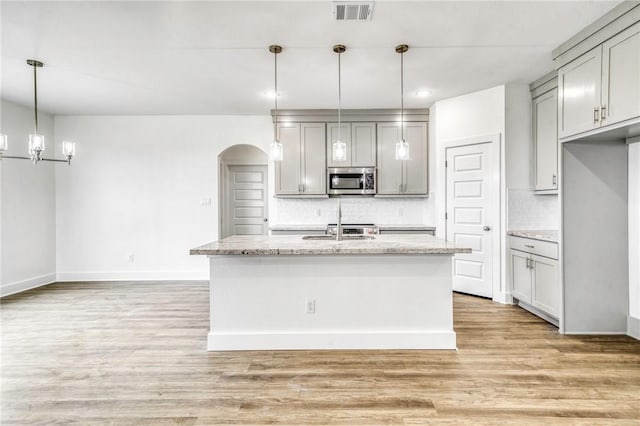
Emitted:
pixel 371 301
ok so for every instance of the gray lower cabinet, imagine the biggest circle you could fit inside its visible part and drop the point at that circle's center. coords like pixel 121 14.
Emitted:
pixel 402 177
pixel 360 139
pixel 302 170
pixel 534 278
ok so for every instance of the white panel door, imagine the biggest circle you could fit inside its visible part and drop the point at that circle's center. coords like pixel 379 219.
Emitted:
pixel 470 191
pixel 246 201
pixel 579 84
pixel 621 76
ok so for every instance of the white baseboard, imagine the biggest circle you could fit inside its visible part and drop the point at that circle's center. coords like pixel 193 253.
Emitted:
pixel 331 340
pixel 504 298
pixel 24 285
pixel 135 276
pixel 633 327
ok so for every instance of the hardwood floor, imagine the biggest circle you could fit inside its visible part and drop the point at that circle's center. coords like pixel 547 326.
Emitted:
pixel 135 353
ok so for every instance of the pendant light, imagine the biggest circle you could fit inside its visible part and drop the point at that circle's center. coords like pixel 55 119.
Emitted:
pixel 276 146
pixel 36 140
pixel 339 148
pixel 402 147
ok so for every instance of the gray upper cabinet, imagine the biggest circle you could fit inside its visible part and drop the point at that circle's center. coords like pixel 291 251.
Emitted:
pixel 621 76
pixel 601 87
pixel 360 139
pixel 579 84
pixel 407 177
pixel 302 170
pixel 545 141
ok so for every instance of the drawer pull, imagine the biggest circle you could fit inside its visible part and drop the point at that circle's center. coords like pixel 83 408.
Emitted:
pixel 529 246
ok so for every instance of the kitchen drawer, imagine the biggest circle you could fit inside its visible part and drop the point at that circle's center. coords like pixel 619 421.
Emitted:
pixel 541 248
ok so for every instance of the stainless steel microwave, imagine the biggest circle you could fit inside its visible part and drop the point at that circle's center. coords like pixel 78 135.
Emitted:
pixel 351 181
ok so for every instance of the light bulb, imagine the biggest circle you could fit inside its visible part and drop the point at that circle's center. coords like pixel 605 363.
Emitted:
pixel 36 143
pixel 276 150
pixel 68 148
pixel 4 143
pixel 402 150
pixel 339 151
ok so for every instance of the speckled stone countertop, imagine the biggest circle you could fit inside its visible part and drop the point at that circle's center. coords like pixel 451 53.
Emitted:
pixel 298 227
pixel 409 227
pixel 536 234
pixel 295 245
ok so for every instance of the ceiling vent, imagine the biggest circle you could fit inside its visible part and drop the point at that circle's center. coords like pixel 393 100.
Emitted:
pixel 352 10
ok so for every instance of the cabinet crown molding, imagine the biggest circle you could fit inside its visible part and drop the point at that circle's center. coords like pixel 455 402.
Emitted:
pixel 350 115
pixel 616 20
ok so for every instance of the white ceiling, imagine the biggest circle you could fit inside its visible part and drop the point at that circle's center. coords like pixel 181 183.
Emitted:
pixel 143 57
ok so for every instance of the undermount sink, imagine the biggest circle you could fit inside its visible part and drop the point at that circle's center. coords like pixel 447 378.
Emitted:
pixel 333 237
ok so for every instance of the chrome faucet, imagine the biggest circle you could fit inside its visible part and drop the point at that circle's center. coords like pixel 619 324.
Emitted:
pixel 339 226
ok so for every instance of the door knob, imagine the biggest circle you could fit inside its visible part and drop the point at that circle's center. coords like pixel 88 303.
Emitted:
pixel 266 220
pixel 486 228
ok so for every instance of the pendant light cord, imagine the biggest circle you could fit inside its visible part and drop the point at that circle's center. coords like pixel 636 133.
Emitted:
pixel 402 96
pixel 275 95
pixel 35 95
pixel 339 98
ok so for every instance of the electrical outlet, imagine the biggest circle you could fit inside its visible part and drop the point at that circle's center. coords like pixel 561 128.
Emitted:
pixel 310 306
pixel 317 212
pixel 205 202
pixel 131 258
pixel 400 212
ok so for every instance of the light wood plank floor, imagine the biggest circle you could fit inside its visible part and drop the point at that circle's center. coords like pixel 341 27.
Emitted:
pixel 134 353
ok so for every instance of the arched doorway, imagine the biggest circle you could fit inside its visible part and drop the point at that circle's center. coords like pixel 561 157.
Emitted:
pixel 243 208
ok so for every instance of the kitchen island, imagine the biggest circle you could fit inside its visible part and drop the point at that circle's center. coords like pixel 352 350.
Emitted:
pixel 285 292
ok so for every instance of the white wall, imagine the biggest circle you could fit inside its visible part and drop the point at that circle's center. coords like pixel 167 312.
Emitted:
pixel 135 189
pixel 476 114
pixel 28 232
pixel 634 236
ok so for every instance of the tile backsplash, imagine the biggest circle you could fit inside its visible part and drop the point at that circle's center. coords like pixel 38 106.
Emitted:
pixel 391 211
pixel 529 211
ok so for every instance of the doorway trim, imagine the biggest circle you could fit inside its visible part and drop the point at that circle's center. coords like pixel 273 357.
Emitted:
pixel 223 177
pixel 501 292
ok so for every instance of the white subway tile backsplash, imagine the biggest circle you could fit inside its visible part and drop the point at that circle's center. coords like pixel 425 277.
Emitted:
pixel 400 211
pixel 529 211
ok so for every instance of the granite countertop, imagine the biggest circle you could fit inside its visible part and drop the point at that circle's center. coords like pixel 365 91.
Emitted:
pixel 298 227
pixel 536 234
pixel 295 245
pixel 409 227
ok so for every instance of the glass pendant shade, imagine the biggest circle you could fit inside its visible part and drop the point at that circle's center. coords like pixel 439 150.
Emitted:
pixel 276 150
pixel 36 143
pixel 339 150
pixel 4 143
pixel 402 150
pixel 68 149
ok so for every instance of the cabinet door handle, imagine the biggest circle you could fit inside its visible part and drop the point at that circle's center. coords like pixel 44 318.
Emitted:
pixel 400 188
pixel 596 114
pixel 603 114
pixel 405 188
pixel 527 263
pixel 555 179
pixel 531 263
